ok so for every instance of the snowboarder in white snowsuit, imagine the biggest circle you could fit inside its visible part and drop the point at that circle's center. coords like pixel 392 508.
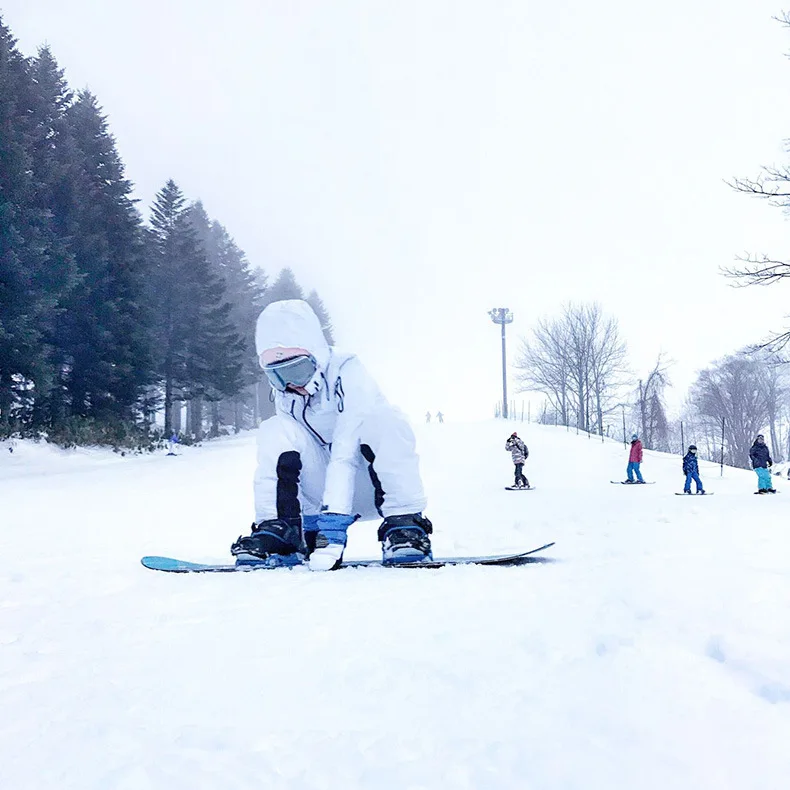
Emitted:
pixel 335 451
pixel 519 453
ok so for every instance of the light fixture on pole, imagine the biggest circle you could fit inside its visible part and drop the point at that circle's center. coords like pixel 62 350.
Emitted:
pixel 502 316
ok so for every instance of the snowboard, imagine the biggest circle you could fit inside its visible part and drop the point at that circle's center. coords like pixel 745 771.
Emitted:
pixel 626 483
pixel 519 488
pixel 683 493
pixel 763 493
pixel 171 565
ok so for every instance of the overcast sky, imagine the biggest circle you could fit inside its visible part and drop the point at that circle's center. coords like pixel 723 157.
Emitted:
pixel 421 161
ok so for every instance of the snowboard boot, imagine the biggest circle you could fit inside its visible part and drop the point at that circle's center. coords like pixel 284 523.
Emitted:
pixel 405 539
pixel 273 543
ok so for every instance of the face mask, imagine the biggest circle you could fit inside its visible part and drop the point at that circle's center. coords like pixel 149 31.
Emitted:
pixel 296 371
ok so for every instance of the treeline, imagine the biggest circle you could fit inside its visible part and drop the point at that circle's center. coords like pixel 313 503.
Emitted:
pixel 578 361
pixel 107 321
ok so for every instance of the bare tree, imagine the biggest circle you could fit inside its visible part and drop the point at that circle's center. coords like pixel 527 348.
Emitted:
pixel 733 389
pixel 542 366
pixel 607 362
pixel 650 403
pixel 705 432
pixel 774 387
pixel 772 185
pixel 578 361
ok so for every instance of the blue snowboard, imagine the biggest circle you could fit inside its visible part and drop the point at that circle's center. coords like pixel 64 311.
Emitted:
pixel 182 566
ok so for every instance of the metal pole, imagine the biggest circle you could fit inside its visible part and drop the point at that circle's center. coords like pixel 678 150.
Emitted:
pixel 504 373
pixel 502 316
pixel 682 440
pixel 625 444
pixel 642 408
pixel 722 447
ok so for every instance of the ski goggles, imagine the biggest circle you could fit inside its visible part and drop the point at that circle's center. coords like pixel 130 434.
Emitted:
pixel 296 371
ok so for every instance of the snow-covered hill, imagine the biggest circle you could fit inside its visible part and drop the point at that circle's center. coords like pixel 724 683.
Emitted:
pixel 653 653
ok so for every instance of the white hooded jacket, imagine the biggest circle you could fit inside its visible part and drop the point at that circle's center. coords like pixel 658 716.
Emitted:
pixel 342 394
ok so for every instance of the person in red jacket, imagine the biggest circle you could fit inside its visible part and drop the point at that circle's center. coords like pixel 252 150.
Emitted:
pixel 635 460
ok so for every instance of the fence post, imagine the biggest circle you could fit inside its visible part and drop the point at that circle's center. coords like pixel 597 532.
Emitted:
pixel 722 447
pixel 625 443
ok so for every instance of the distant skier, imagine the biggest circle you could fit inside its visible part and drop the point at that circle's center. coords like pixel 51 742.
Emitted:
pixel 171 444
pixel 635 460
pixel 427 416
pixel 760 455
pixel 691 470
pixel 334 449
pixel 519 453
pixel 439 416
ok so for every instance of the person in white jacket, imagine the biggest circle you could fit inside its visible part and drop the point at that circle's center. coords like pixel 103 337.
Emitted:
pixel 335 451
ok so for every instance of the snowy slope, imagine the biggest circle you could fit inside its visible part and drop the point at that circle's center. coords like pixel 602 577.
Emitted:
pixel 654 653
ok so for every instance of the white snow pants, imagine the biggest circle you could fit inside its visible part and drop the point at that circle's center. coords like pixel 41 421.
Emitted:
pixel 291 474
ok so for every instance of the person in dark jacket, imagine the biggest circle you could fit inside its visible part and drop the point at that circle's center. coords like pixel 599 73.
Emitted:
pixel 760 455
pixel 691 470
pixel 519 453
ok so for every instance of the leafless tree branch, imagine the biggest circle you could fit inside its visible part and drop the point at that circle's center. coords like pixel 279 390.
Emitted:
pixel 757 271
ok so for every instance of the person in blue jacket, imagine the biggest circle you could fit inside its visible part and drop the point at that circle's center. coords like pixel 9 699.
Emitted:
pixel 691 470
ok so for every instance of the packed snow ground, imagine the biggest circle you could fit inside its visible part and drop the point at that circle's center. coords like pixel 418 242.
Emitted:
pixel 653 652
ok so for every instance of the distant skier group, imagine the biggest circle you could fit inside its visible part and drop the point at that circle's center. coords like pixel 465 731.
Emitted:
pixel 759 454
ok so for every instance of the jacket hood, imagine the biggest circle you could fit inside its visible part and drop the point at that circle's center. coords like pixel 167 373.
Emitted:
pixel 291 323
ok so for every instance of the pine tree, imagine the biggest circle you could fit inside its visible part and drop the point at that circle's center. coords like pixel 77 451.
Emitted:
pixel 170 246
pixel 200 354
pixel 323 316
pixel 103 336
pixel 35 270
pixel 284 287
pixel 245 290
pixel 224 325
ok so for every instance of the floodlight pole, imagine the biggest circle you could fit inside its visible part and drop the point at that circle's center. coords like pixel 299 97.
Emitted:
pixel 502 316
